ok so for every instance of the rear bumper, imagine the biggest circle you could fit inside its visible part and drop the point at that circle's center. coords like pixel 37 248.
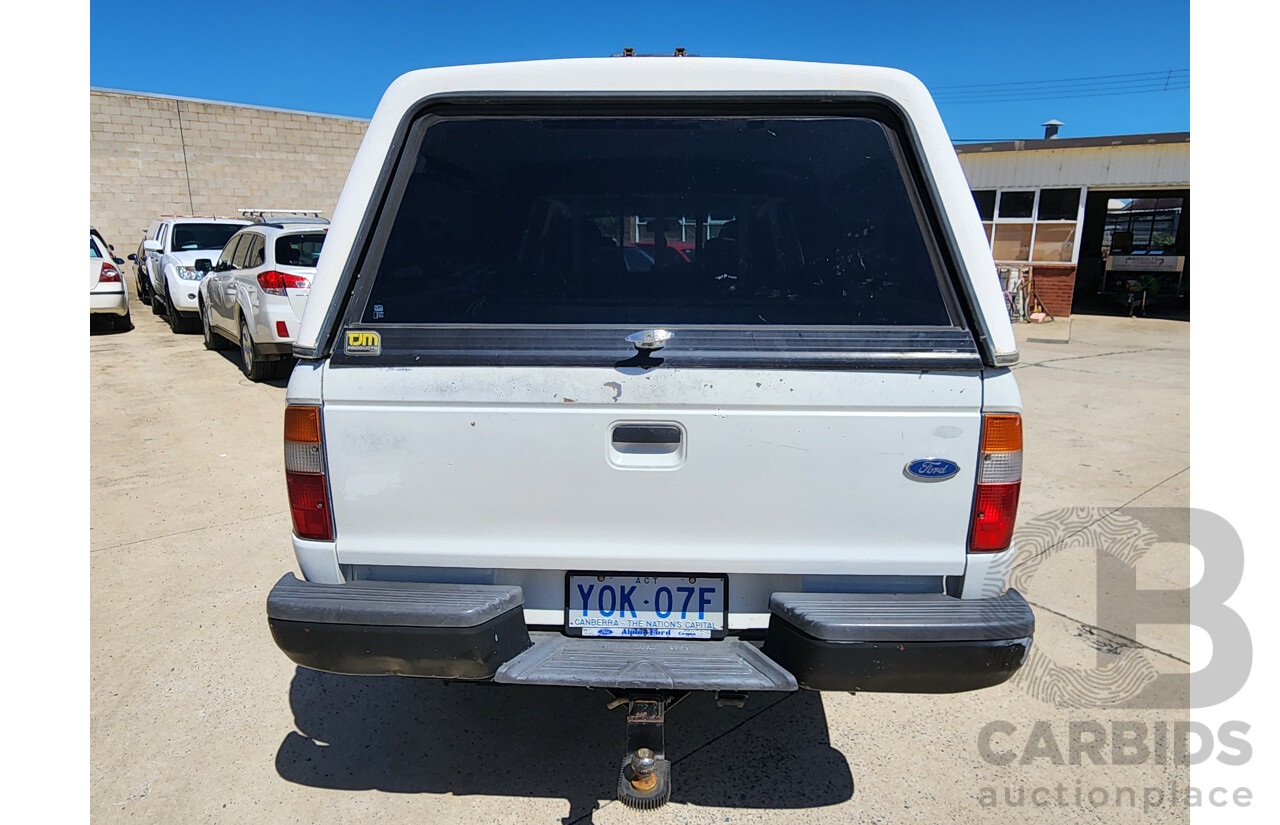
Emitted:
pixel 110 303
pixel 895 643
pixel 917 643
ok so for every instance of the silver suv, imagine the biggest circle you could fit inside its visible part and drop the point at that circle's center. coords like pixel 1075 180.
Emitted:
pixel 255 292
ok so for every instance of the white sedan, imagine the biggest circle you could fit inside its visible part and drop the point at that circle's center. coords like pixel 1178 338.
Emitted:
pixel 108 298
pixel 255 292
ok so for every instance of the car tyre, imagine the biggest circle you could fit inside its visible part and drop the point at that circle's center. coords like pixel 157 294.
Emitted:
pixel 124 323
pixel 212 340
pixel 251 363
pixel 177 322
pixel 144 289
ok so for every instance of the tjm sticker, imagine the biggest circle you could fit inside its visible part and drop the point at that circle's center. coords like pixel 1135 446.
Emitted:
pixel 363 342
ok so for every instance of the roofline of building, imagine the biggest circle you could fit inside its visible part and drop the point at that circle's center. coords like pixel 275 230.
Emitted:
pixel 1073 143
pixel 961 148
pixel 224 103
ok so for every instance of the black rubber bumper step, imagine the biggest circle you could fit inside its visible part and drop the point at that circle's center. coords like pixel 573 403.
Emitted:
pixel 441 631
pixel 898 643
pixel 909 617
pixel 648 664
pixel 400 604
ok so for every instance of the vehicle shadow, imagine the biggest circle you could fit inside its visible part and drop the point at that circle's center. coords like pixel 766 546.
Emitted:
pixel 405 735
pixel 97 328
pixel 232 357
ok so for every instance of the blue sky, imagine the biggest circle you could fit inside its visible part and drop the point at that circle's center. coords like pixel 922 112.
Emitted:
pixel 1102 68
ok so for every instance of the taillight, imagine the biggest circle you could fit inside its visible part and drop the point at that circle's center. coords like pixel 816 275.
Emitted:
pixel 275 283
pixel 109 273
pixel 304 474
pixel 995 506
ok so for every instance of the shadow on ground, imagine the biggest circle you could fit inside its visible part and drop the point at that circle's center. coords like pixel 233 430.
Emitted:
pixel 105 326
pixel 232 357
pixel 404 735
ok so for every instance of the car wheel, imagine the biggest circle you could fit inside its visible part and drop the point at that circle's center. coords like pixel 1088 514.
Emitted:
pixel 175 320
pixel 124 323
pixel 255 369
pixel 212 340
pixel 144 289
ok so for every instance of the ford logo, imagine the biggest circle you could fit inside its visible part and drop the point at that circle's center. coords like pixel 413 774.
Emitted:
pixel 931 469
pixel 604 631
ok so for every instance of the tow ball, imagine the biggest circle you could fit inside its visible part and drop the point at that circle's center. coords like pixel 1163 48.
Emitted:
pixel 645 778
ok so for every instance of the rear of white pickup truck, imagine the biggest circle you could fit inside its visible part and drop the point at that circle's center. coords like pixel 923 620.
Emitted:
pixel 656 375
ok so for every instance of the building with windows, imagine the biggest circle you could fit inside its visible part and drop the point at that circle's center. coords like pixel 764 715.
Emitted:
pixel 1092 222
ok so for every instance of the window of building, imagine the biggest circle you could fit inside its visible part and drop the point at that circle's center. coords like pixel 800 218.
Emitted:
pixel 1142 226
pixel 985 199
pixel 1030 225
pixel 1017 204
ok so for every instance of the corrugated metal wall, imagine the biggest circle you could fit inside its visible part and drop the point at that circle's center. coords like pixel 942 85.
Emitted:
pixel 1149 166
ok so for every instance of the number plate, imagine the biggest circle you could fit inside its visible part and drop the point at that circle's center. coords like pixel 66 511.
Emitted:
pixel 668 606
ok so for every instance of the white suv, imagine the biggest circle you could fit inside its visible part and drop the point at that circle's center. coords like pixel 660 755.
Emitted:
pixel 171 256
pixel 255 292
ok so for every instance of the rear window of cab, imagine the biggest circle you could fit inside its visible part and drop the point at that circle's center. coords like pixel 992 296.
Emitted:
pixel 739 219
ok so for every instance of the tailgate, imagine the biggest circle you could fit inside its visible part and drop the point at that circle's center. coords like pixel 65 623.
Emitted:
pixel 673 470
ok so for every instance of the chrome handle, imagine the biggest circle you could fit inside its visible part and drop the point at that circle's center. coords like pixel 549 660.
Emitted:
pixel 650 339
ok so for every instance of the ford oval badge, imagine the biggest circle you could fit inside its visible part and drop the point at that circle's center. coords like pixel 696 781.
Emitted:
pixel 931 469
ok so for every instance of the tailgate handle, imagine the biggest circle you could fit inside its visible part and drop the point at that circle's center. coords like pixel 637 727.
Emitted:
pixel 646 434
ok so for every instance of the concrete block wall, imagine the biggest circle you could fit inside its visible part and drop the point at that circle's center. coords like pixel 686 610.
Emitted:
pixel 152 155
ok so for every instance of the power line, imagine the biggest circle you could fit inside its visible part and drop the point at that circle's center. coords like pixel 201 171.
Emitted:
pixel 1154 89
pixel 1103 86
pixel 1164 73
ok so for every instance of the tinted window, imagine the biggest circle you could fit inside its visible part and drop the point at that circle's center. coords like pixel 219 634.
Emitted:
pixel 1058 204
pixel 240 257
pixel 93 250
pixel 256 253
pixel 1016 204
pixel 202 235
pixel 229 251
pixel 299 250
pixel 985 199
pixel 646 221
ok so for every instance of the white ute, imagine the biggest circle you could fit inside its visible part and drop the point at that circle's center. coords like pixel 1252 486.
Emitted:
pixel 786 454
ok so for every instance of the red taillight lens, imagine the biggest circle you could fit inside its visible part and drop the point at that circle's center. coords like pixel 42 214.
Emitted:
pixel 276 283
pixel 995 506
pixel 309 505
pixel 994 513
pixel 304 474
pixel 109 273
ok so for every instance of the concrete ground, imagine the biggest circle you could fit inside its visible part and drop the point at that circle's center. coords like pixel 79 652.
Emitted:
pixel 196 716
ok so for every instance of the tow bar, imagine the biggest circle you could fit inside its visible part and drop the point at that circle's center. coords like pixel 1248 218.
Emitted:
pixel 644 781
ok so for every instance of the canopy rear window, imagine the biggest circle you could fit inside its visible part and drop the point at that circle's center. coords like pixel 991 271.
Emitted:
pixel 650 221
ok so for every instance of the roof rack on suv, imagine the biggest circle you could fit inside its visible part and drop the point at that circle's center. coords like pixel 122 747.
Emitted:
pixel 263 214
pixel 206 217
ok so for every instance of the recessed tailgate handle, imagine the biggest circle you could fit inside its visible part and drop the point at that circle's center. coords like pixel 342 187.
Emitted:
pixel 656 435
